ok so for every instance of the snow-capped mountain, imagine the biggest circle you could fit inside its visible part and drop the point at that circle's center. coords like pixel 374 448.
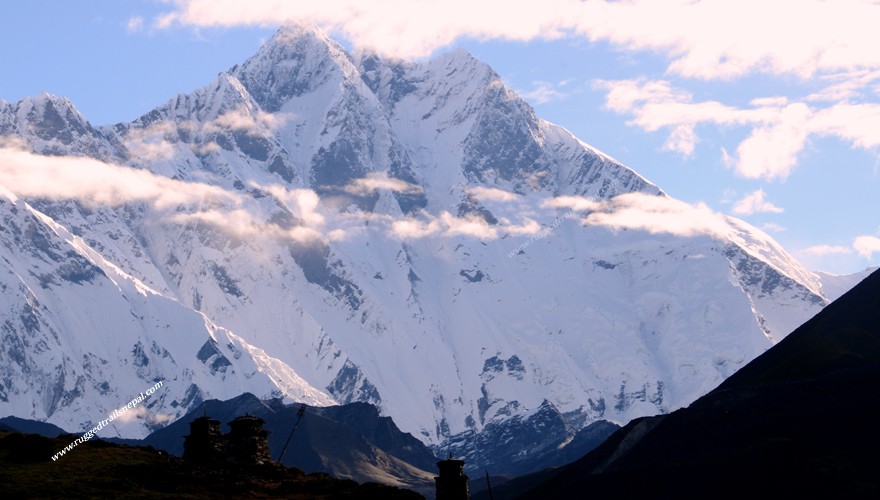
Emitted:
pixel 329 227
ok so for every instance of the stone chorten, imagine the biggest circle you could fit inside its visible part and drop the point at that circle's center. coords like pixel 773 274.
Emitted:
pixel 247 442
pixel 205 443
pixel 452 483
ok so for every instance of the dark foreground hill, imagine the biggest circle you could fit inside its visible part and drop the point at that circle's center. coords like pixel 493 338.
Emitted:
pixel 350 441
pixel 800 420
pixel 97 469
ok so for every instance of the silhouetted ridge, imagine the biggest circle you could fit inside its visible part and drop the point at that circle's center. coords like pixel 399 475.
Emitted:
pixel 800 420
pixel 844 336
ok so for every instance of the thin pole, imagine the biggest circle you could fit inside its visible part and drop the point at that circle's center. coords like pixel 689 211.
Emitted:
pixel 489 484
pixel 299 416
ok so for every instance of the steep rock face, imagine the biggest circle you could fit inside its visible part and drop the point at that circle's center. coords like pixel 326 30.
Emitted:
pixel 388 232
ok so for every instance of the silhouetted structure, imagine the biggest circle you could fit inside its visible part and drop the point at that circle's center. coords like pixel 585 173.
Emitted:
pixel 205 443
pixel 246 444
pixel 452 483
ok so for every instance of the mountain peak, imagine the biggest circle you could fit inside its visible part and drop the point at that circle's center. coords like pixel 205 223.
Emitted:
pixel 50 124
pixel 294 31
pixel 50 107
pixel 296 60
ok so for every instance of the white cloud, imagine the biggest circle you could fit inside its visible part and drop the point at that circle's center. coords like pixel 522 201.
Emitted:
pixel 578 203
pixel 254 123
pixel 93 182
pixel 857 123
pixel 703 39
pixel 528 227
pixel 151 143
pixel 780 127
pixel 467 226
pixel 411 228
pixel 656 105
pixel 683 139
pixel 867 246
pixel 242 223
pixel 303 203
pixel 657 215
pixel 771 151
pixel 444 225
pixel 96 182
pixel 755 202
pixel 823 250
pixel 376 181
pixel 491 194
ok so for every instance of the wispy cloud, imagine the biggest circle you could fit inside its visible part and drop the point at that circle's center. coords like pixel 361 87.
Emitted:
pixel 651 213
pixel 303 203
pixel 444 225
pixel 153 142
pixel 656 105
pixel 544 92
pixel 636 211
pixel 240 119
pixel 135 24
pixel 483 193
pixel 755 202
pixel 376 181
pixel 96 182
pixel 823 250
pixel 846 86
pixel 865 246
pixel 658 215
pixel 578 203
pixel 772 227
pixel 157 140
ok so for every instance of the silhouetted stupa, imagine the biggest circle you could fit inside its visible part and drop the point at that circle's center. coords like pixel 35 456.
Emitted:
pixel 452 483
pixel 204 444
pixel 247 442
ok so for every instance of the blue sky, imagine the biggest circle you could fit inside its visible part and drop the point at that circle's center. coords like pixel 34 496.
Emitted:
pixel 766 110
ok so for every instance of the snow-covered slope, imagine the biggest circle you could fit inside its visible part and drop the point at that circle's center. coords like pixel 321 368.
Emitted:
pixel 835 285
pixel 82 338
pixel 353 228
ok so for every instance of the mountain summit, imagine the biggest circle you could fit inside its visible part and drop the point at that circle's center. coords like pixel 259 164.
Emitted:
pixel 325 227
